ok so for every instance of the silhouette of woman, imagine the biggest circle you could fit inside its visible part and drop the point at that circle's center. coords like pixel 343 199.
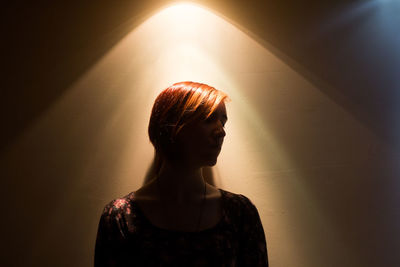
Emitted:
pixel 177 218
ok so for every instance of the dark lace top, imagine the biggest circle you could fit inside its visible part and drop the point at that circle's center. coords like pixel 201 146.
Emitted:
pixel 127 238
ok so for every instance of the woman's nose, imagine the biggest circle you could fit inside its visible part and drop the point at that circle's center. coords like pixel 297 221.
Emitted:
pixel 220 132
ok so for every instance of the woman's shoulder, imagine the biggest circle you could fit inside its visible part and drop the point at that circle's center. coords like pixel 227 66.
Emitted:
pixel 235 197
pixel 236 200
pixel 119 205
pixel 241 208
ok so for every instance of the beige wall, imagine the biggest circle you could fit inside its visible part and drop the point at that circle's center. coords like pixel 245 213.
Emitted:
pixel 321 175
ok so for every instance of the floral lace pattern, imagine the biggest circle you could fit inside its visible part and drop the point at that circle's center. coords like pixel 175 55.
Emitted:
pixel 126 238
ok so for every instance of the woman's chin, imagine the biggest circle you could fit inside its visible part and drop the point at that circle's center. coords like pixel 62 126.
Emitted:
pixel 210 162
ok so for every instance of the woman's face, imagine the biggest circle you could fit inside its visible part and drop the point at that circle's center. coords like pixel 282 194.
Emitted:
pixel 200 142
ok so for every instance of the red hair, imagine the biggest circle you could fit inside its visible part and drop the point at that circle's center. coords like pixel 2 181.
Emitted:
pixel 178 105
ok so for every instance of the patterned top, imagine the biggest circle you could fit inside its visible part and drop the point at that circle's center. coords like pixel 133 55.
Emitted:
pixel 127 238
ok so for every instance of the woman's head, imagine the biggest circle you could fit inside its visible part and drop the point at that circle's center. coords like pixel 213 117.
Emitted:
pixel 187 118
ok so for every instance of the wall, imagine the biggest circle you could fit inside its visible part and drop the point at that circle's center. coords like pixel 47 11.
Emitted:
pixel 311 138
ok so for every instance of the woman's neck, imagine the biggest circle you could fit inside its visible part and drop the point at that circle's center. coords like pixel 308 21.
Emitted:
pixel 180 183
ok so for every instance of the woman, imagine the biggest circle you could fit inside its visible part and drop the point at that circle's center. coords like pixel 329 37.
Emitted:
pixel 177 219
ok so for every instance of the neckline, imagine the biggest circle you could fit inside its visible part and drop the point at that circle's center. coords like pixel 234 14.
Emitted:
pixel 165 230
